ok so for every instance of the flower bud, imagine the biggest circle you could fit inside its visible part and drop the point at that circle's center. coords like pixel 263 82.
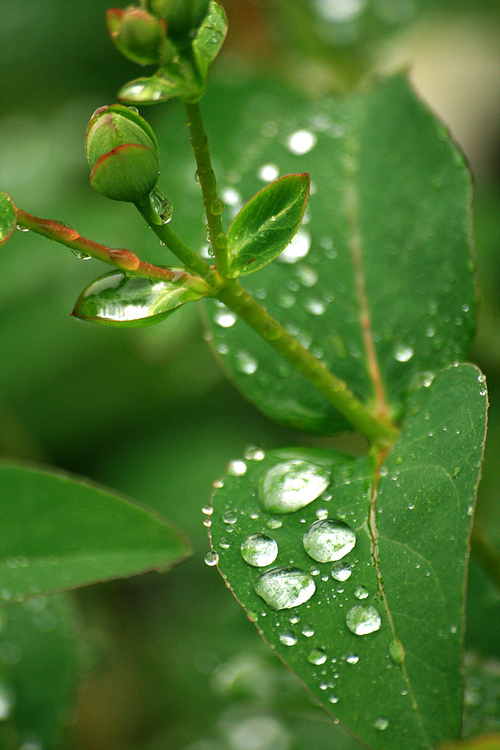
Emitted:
pixel 182 16
pixel 122 152
pixel 139 36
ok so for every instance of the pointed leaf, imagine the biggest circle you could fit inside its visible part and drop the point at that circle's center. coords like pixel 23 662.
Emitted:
pixel 62 533
pixel 164 85
pixel 266 224
pixel 8 217
pixel 210 37
pixel 130 301
pixel 379 281
pixel 356 577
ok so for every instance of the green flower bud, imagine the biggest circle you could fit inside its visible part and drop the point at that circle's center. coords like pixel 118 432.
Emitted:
pixel 139 36
pixel 182 16
pixel 122 152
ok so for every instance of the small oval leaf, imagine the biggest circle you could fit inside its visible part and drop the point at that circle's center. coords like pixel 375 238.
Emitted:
pixel 210 37
pixel 120 300
pixel 266 224
pixel 8 217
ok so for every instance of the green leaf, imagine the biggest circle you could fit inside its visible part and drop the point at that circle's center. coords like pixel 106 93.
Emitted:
pixel 210 37
pixel 355 575
pixel 167 83
pixel 8 217
pixel 266 224
pixel 130 301
pixel 61 533
pixel 378 282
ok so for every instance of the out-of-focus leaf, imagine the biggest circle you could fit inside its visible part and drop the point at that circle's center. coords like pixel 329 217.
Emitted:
pixel 266 224
pixel 117 299
pixel 356 575
pixel 61 533
pixel 8 217
pixel 379 278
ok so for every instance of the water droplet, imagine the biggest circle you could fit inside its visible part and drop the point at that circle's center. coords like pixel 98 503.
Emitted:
pixel 207 510
pixel 363 620
pixel 308 277
pixel 217 207
pixel 274 523
pixel 297 249
pixel 284 588
pixel 197 178
pixel 79 254
pixel 403 353
pixel 315 306
pixel 396 651
pixel 254 453
pixel 225 318
pixel 24 229
pixel 291 485
pixel 381 723
pixel 316 656
pixel 221 241
pixel 259 550
pixel 360 592
pixel 301 142
pixel 245 363
pixel 288 638
pixel 269 172
pixel 211 559
pixel 352 658
pixel 341 572
pixel 230 518
pixel 224 543
pixel 162 206
pixel 237 468
pixel 326 541
pixel 333 698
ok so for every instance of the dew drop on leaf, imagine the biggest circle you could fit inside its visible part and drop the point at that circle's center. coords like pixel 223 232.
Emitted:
pixel 229 517
pixel 245 363
pixel 211 559
pixel 396 651
pixel 363 620
pixel 308 631
pixel 341 571
pixel 225 318
pixel 284 588
pixel 292 485
pixel 326 541
pixel 403 353
pixel 254 453
pixel 360 592
pixel 288 638
pixel 259 550
pixel 237 468
pixel 316 656
pixel 352 658
pixel 381 723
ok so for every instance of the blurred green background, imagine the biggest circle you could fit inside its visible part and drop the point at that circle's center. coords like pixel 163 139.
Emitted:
pixel 170 662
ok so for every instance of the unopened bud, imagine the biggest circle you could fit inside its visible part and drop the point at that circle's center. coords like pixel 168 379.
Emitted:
pixel 122 152
pixel 138 35
pixel 181 16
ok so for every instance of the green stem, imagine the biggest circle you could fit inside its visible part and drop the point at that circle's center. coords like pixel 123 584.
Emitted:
pixel 334 390
pixel 208 183
pixel 486 555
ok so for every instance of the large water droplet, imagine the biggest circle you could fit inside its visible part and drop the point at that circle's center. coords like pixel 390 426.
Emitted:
pixel 291 485
pixel 341 571
pixel 301 142
pixel 259 550
pixel 363 620
pixel 288 638
pixel 316 656
pixel 297 249
pixel 326 541
pixel 211 559
pixel 284 588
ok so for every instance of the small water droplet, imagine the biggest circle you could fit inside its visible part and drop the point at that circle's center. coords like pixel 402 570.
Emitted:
pixel 229 517
pixel 231 196
pixel 381 724
pixel 217 484
pixel 269 172
pixel 340 571
pixel 362 620
pixel 316 656
pixel 221 241
pixel 292 485
pixel 284 588
pixel 225 318
pixel 361 593
pixel 211 558
pixel 308 631
pixel 297 249
pixel 254 453
pixel 224 543
pixel 274 523
pixel 259 550
pixel 352 658
pixel 326 541
pixel 301 142
pixel 237 468
pixel 396 651
pixel 307 276
pixel 162 206
pixel 403 353
pixel 25 229
pixel 333 699
pixel 245 363
pixel 315 306
pixel 207 510
pixel 197 178
pixel 217 207
pixel 288 638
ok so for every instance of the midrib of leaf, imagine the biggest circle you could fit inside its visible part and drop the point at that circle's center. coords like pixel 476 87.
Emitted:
pixel 355 246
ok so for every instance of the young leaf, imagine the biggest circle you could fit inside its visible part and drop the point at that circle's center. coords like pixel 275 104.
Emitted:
pixel 61 533
pixel 130 301
pixel 266 224
pixel 356 576
pixel 380 282
pixel 8 217
pixel 210 37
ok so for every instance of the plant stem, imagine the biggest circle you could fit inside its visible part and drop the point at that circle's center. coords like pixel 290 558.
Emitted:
pixel 208 183
pixel 486 555
pixel 120 258
pixel 334 390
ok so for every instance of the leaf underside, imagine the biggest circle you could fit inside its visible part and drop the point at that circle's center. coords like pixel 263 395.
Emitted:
pixel 74 533
pixel 399 684
pixel 383 256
